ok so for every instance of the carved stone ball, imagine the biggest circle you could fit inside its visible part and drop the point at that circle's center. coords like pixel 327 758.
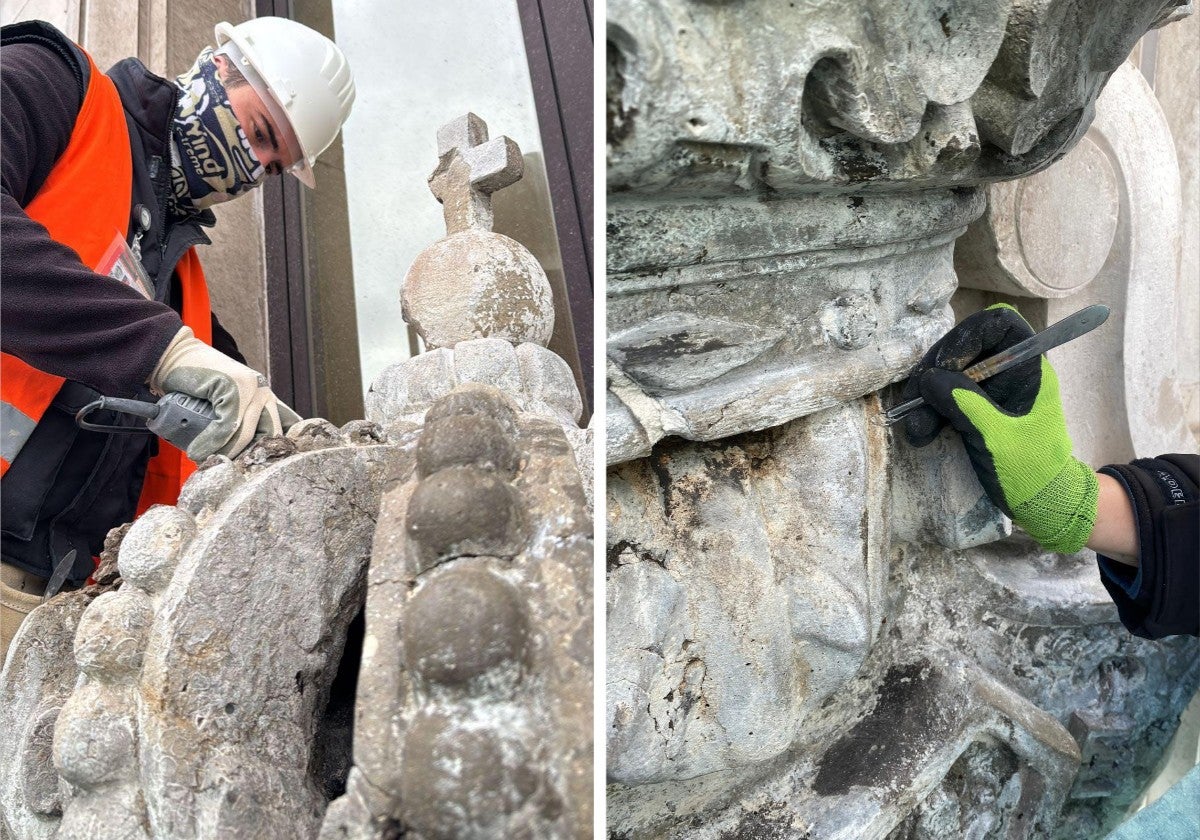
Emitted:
pixel 466 441
pixel 461 779
pixel 151 549
pixel 478 284
pixel 463 511
pixel 462 624
pixel 112 634
pixel 94 738
pixel 472 398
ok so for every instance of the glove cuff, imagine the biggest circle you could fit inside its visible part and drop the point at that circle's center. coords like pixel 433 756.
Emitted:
pixel 1062 514
pixel 168 359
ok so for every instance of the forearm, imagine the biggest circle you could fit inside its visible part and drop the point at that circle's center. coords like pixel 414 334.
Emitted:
pixel 63 318
pixel 1115 532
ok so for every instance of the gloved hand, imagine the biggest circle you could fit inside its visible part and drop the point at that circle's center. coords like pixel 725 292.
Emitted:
pixel 245 407
pixel 1012 426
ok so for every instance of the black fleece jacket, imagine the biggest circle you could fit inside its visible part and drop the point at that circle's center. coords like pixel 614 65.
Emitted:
pixel 1161 595
pixel 56 313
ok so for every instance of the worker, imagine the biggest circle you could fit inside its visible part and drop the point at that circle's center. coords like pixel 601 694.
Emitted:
pixel 1142 518
pixel 107 182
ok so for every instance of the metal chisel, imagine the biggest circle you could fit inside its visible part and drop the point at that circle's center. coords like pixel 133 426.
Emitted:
pixel 1068 329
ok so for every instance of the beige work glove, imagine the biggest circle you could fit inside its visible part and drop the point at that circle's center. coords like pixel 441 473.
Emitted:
pixel 246 409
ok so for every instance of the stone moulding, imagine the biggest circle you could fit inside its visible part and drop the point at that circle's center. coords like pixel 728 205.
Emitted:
pixel 765 95
pixel 832 297
pixel 475 722
pixel 782 171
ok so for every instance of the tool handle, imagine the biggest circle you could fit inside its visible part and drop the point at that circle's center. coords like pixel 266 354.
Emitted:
pixel 134 407
pixel 181 418
pixel 1069 328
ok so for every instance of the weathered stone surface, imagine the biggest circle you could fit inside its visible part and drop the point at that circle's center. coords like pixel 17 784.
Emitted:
pixel 831 297
pixel 242 724
pixel 548 384
pixel 463 441
pixel 464 624
pixel 756 97
pixel 749 589
pixel 467 782
pixel 460 511
pixel 151 550
pixel 478 284
pixel 533 379
pixel 38 677
pixel 803 203
pixel 938 499
pixel 494 651
pixel 813 629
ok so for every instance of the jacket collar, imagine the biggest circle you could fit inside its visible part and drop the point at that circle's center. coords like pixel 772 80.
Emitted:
pixel 149 101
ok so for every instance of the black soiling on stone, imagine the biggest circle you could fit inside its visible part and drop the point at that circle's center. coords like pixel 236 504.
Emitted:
pixel 467 440
pixel 463 624
pixel 770 822
pixel 474 398
pixel 332 754
pixel 619 119
pixel 659 462
pixel 673 346
pixel 887 745
pixel 618 548
pixel 463 511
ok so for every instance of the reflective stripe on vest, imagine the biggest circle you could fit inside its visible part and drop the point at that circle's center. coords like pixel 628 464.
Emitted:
pixel 83 204
pixel 27 393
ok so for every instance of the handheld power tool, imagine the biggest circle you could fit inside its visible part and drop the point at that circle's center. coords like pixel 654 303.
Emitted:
pixel 176 418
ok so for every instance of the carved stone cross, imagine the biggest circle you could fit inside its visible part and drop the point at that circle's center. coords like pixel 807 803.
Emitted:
pixel 470 168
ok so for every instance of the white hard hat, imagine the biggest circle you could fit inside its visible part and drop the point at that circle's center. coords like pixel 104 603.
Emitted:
pixel 301 76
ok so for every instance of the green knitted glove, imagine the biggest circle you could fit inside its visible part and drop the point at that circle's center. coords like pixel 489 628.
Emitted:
pixel 1012 426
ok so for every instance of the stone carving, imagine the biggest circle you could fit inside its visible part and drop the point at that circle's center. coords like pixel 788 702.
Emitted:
pixel 815 630
pixel 480 561
pixel 475 283
pixel 210 688
pixel 842 142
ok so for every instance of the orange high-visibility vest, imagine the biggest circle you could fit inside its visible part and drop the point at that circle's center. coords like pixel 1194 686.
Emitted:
pixel 83 204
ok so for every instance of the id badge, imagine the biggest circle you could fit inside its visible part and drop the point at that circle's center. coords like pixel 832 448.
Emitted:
pixel 120 263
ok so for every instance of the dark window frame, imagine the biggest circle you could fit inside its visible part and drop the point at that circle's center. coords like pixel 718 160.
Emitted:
pixel 556 34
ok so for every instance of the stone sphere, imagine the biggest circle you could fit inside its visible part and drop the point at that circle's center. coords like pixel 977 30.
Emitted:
pixel 464 441
pixel 475 398
pixel 151 550
pixel 112 633
pixel 462 780
pixel 463 510
pixel 478 284
pixel 462 624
